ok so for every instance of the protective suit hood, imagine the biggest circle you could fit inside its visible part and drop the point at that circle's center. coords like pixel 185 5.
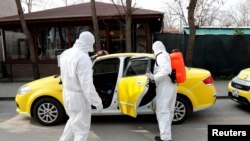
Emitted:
pixel 85 42
pixel 158 47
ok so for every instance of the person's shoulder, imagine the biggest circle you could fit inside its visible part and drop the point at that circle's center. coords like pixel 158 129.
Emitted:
pixel 65 51
pixel 166 53
pixel 84 56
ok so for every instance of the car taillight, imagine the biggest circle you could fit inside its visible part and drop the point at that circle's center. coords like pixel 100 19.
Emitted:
pixel 209 80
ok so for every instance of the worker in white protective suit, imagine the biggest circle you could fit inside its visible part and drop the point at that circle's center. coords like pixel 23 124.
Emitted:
pixel 166 91
pixel 79 92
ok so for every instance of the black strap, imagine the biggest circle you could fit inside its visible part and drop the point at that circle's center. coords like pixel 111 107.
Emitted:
pixel 156 58
pixel 172 75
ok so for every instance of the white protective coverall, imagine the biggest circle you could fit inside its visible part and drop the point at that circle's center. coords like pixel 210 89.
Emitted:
pixel 79 92
pixel 166 91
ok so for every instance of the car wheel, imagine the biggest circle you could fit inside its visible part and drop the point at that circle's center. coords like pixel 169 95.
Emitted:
pixel 48 112
pixel 182 110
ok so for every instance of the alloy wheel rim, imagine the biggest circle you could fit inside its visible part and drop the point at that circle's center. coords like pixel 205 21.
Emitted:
pixel 180 111
pixel 47 112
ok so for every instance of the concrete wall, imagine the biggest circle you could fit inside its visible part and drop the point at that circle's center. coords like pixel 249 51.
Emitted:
pixel 7 8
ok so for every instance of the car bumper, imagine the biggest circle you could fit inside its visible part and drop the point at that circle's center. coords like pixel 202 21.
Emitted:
pixel 23 113
pixel 205 106
pixel 242 97
pixel 21 103
pixel 239 99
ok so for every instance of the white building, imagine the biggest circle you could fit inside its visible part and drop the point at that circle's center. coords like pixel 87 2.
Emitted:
pixel 7 8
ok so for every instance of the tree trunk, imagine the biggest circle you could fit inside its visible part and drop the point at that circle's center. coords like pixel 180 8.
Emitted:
pixel 192 28
pixel 96 26
pixel 29 39
pixel 128 26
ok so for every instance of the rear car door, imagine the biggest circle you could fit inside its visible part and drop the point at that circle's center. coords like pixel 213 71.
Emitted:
pixel 134 89
pixel 105 74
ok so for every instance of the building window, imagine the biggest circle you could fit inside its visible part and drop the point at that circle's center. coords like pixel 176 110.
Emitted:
pixel 50 41
pixel 16 45
pixel 140 39
pixel 77 30
pixel 117 37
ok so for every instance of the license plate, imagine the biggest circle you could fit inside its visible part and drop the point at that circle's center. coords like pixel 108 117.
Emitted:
pixel 235 93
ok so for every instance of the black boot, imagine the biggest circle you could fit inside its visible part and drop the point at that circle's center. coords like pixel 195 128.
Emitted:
pixel 158 138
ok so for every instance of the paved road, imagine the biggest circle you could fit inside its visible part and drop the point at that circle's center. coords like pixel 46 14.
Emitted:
pixel 15 127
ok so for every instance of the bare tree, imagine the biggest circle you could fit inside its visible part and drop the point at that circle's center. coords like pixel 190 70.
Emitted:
pixel 65 2
pixel 237 16
pixel 206 11
pixel 191 39
pixel 46 4
pixel 178 8
pixel 29 39
pixel 240 17
pixel 96 25
pixel 226 19
pixel 170 19
pixel 128 9
pixel 30 3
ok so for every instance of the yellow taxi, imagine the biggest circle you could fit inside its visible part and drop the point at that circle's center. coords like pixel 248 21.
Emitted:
pixel 239 87
pixel 42 99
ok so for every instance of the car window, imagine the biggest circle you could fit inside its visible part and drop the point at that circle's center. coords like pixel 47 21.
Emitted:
pixel 136 67
pixel 106 66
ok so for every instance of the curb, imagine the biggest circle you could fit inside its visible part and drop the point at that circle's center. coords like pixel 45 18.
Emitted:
pixel 222 97
pixel 7 98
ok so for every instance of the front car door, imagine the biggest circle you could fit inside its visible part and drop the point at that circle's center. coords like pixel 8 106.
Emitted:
pixel 134 89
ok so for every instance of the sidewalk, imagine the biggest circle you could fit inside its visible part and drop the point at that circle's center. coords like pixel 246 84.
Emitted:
pixel 8 89
pixel 221 88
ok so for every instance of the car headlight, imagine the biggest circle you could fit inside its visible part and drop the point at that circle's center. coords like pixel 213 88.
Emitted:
pixel 241 81
pixel 24 89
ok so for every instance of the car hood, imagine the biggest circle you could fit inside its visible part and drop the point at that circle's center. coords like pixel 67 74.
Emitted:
pixel 51 82
pixel 244 74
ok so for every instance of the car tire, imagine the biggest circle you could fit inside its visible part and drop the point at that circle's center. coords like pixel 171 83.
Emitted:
pixel 49 112
pixel 182 110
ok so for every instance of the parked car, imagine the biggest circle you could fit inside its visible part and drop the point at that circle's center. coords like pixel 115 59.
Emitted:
pixel 42 99
pixel 239 87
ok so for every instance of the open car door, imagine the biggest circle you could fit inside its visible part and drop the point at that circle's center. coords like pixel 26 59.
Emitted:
pixel 134 85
